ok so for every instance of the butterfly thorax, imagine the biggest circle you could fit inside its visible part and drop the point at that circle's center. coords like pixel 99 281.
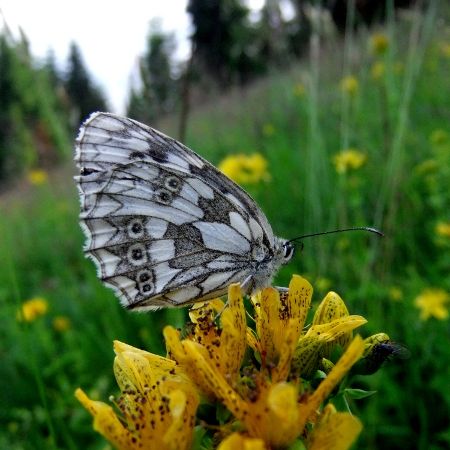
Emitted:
pixel 268 265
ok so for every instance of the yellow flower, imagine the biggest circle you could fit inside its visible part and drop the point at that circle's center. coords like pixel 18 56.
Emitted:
pixel 255 374
pixel 443 229
pixel 349 85
pixel 246 169
pixel 299 90
pixel 339 430
pixel 268 407
pixel 433 303
pixel 37 177
pixel 32 309
pixel 378 70
pixel 157 404
pixel 379 43
pixel 61 323
pixel 349 159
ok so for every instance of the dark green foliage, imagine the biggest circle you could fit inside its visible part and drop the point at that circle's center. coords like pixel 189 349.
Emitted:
pixel 159 92
pixel 84 95
pixel 224 43
pixel 33 132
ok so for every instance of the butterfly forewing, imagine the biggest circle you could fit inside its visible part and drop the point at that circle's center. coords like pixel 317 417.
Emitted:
pixel 163 225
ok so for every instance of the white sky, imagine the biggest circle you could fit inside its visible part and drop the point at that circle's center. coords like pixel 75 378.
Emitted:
pixel 110 34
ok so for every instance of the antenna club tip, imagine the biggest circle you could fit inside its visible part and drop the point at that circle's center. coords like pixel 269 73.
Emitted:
pixel 374 230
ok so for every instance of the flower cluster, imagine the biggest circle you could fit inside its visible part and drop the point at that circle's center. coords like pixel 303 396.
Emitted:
pixel 258 375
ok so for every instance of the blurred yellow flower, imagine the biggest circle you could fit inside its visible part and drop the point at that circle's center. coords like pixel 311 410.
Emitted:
pixel 378 70
pixel 349 85
pixel 268 129
pixel 443 229
pixel 299 90
pixel 439 137
pixel 445 49
pixel 246 169
pixel 379 43
pixel 37 177
pixel 395 294
pixel 349 159
pixel 32 309
pixel 432 302
pixel 61 323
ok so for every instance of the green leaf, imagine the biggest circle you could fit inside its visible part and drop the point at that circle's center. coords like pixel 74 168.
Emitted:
pixel 358 393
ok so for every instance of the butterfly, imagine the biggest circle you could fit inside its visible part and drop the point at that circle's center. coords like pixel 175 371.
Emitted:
pixel 163 225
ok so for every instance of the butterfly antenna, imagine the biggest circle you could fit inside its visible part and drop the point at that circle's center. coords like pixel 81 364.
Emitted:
pixel 342 230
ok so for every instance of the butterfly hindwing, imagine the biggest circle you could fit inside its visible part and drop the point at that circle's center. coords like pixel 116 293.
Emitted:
pixel 163 226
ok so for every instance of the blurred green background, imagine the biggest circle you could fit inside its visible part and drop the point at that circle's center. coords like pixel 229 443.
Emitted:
pixel 353 122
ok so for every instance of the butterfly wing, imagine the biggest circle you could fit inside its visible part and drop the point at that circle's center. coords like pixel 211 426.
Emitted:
pixel 163 225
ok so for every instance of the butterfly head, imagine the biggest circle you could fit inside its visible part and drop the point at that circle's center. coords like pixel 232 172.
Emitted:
pixel 288 251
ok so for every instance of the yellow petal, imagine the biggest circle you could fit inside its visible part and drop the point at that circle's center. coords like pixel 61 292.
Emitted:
pixel 331 307
pixel 331 331
pixel 210 379
pixel 180 432
pixel 107 423
pixel 306 356
pixel 236 441
pixel 282 401
pixel 337 432
pixel 299 300
pixel 268 323
pixel 287 349
pixel 177 350
pixel 159 364
pixel 351 355
pixel 233 341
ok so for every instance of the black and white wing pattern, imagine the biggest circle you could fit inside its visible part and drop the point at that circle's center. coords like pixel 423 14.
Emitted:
pixel 163 226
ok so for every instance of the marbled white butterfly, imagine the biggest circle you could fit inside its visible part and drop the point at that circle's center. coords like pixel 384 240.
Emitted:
pixel 163 226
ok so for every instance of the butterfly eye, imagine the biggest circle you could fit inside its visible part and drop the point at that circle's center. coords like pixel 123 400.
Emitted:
pixel 288 251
